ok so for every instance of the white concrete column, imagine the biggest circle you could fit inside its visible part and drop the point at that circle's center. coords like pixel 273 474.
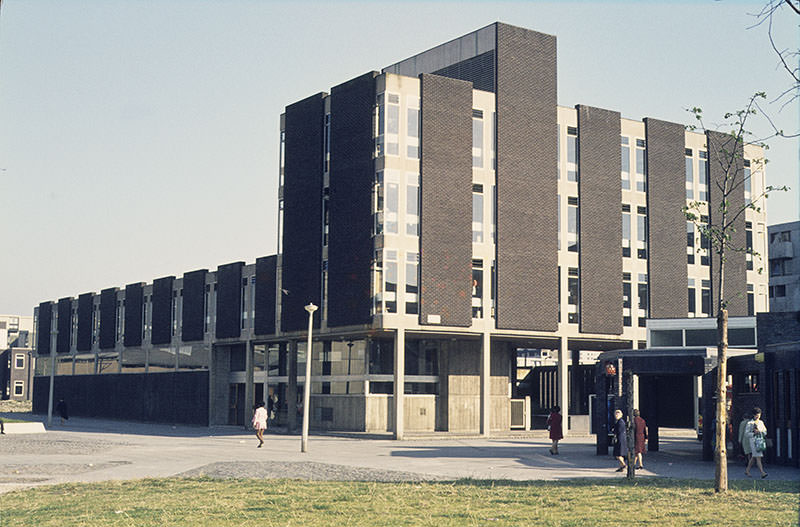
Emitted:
pixel 486 400
pixel 563 382
pixel 399 383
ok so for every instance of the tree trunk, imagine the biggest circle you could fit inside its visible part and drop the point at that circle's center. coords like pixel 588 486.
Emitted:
pixel 721 454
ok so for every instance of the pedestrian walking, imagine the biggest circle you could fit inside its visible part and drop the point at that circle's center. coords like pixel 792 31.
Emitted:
pixel 640 435
pixel 260 421
pixel 556 430
pixel 756 433
pixel 61 408
pixel 742 437
pixel 620 440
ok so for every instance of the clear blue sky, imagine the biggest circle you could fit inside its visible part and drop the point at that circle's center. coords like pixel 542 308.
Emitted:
pixel 138 139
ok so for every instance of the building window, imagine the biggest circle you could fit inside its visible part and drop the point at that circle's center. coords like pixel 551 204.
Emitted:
pixel 783 236
pixel 705 244
pixel 377 284
pixel 388 124
pixel 777 291
pixel 625 152
pixel 689 242
pixel 19 361
pixel 747 183
pixel 777 267
pixel 641 232
pixel 573 227
pixel 705 297
pixel 573 295
pixel 477 213
pixel 477 138
pixel 19 388
pixel 572 153
pixel 641 166
pixel 692 298
pixel 626 299
pixel 412 283
pixel 477 288
pixel 751 300
pixel 391 204
pixel 377 204
pixel 689 174
pixel 412 204
pixel 642 291
pixel 412 135
pixel 702 176
pixel 327 159
pixel 748 226
pixel 626 230
pixel 390 281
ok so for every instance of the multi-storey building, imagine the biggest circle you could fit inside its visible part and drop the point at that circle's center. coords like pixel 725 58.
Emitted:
pixel 445 213
pixel 784 269
pixel 16 357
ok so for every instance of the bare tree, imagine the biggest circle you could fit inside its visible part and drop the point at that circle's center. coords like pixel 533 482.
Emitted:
pixel 728 176
pixel 788 57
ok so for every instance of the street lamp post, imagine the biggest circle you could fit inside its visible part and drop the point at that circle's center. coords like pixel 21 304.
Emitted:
pixel 307 384
pixel 53 343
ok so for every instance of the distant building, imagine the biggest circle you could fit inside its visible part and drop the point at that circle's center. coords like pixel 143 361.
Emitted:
pixel 784 267
pixel 447 216
pixel 16 357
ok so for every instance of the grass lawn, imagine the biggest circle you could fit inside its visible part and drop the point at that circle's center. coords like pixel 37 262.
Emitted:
pixel 206 502
pixel 6 421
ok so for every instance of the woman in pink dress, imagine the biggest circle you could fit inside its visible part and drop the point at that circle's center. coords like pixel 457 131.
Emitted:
pixel 260 422
pixel 554 425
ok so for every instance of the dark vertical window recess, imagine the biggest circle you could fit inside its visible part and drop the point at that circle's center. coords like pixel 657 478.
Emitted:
pixel 64 325
pixel 162 310
pixel 692 307
pixel 193 308
pixel 477 288
pixel 626 299
pixel 108 318
pixel 749 241
pixel 85 321
pixel 751 301
pixel 134 326
pixel 229 299
pixel 705 297
pixel 689 242
pixel 44 324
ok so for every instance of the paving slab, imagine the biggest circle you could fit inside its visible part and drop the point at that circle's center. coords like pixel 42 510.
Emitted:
pixel 91 450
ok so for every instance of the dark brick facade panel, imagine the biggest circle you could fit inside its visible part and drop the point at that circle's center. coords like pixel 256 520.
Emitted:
pixel 44 323
pixel 162 310
pixel 134 296
pixel 266 283
pixel 85 321
pixel 666 223
pixel 229 300
pixel 775 328
pixel 721 151
pixel 108 318
pixel 446 200
pixel 163 397
pixel 527 253
pixel 600 194
pixel 64 339
pixel 302 216
pixel 193 312
pixel 351 177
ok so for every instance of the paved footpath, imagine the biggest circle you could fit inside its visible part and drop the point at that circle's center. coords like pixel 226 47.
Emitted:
pixel 85 450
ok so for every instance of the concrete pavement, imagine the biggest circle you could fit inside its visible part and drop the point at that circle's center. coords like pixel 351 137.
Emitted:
pixel 98 450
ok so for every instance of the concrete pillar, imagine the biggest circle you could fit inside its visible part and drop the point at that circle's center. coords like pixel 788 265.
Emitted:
pixel 249 386
pixel 563 383
pixel 486 395
pixel 291 387
pixel 399 383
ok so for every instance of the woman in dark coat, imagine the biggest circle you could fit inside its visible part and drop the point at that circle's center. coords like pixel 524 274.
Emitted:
pixel 640 433
pixel 620 440
pixel 554 425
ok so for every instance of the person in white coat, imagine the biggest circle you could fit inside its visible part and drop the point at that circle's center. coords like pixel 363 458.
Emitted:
pixel 756 434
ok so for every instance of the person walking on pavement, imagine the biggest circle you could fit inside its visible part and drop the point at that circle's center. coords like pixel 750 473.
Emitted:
pixel 620 440
pixel 640 434
pixel 556 431
pixel 742 437
pixel 260 421
pixel 756 434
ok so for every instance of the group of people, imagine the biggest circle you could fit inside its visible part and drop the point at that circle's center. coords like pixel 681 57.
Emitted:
pixel 620 430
